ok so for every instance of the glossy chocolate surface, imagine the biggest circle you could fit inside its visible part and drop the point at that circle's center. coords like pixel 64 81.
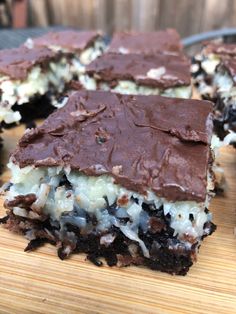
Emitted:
pixel 167 41
pixel 144 142
pixel 162 71
pixel 17 62
pixel 74 41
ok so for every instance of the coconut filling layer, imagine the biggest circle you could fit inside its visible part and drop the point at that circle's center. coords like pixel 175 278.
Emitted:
pixel 226 90
pixel 131 88
pixel 38 82
pixel 68 196
pixel 92 52
pixel 87 55
pixel 208 63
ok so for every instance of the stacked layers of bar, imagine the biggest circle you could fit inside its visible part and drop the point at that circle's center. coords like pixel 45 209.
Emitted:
pixel 160 74
pixel 26 75
pixel 33 71
pixel 85 46
pixel 127 178
pixel 214 76
pixel 143 64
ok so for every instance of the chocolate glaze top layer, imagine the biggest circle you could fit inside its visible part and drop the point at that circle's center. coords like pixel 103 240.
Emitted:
pixel 221 49
pixel 74 41
pixel 158 70
pixel 167 41
pixel 17 62
pixel 144 142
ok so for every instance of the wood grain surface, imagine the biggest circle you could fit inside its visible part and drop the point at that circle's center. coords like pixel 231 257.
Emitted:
pixel 39 282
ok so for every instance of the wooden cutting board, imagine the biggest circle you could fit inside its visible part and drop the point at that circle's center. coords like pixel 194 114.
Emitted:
pixel 39 282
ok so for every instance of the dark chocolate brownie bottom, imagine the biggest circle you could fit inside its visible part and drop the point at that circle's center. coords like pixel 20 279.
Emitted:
pixel 38 108
pixel 167 252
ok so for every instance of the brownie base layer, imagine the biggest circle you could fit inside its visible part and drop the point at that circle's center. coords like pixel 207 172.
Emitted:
pixel 38 108
pixel 167 253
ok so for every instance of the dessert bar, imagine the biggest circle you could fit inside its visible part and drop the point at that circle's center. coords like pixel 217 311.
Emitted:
pixel 215 79
pixel 28 74
pixel 123 177
pixel 84 45
pixel 166 41
pixel 160 74
pixel 204 65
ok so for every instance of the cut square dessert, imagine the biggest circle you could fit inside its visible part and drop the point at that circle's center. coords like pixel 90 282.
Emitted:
pixel 215 79
pixel 42 67
pixel 123 177
pixel 165 41
pixel 84 45
pixel 160 74
pixel 205 64
pixel 28 74
pixel 224 85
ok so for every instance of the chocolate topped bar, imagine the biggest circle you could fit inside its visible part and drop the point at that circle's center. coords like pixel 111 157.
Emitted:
pixel 167 41
pixel 75 41
pixel 221 49
pixel 162 71
pixel 28 75
pixel 144 142
pixel 126 178
pixel 214 75
pixel 16 63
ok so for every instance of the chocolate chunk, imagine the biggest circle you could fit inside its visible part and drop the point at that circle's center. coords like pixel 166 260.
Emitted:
pixel 156 225
pixel 23 201
pixel 4 219
pixel 35 244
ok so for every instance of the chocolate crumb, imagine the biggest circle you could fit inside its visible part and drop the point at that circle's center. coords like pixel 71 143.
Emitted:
pixel 34 244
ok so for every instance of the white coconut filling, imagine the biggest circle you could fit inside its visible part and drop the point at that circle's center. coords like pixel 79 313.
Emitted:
pixel 210 63
pixel 91 194
pixel 223 82
pixel 87 55
pixel 38 82
pixel 131 88
pixel 91 53
pixel 216 144
pixel 230 138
